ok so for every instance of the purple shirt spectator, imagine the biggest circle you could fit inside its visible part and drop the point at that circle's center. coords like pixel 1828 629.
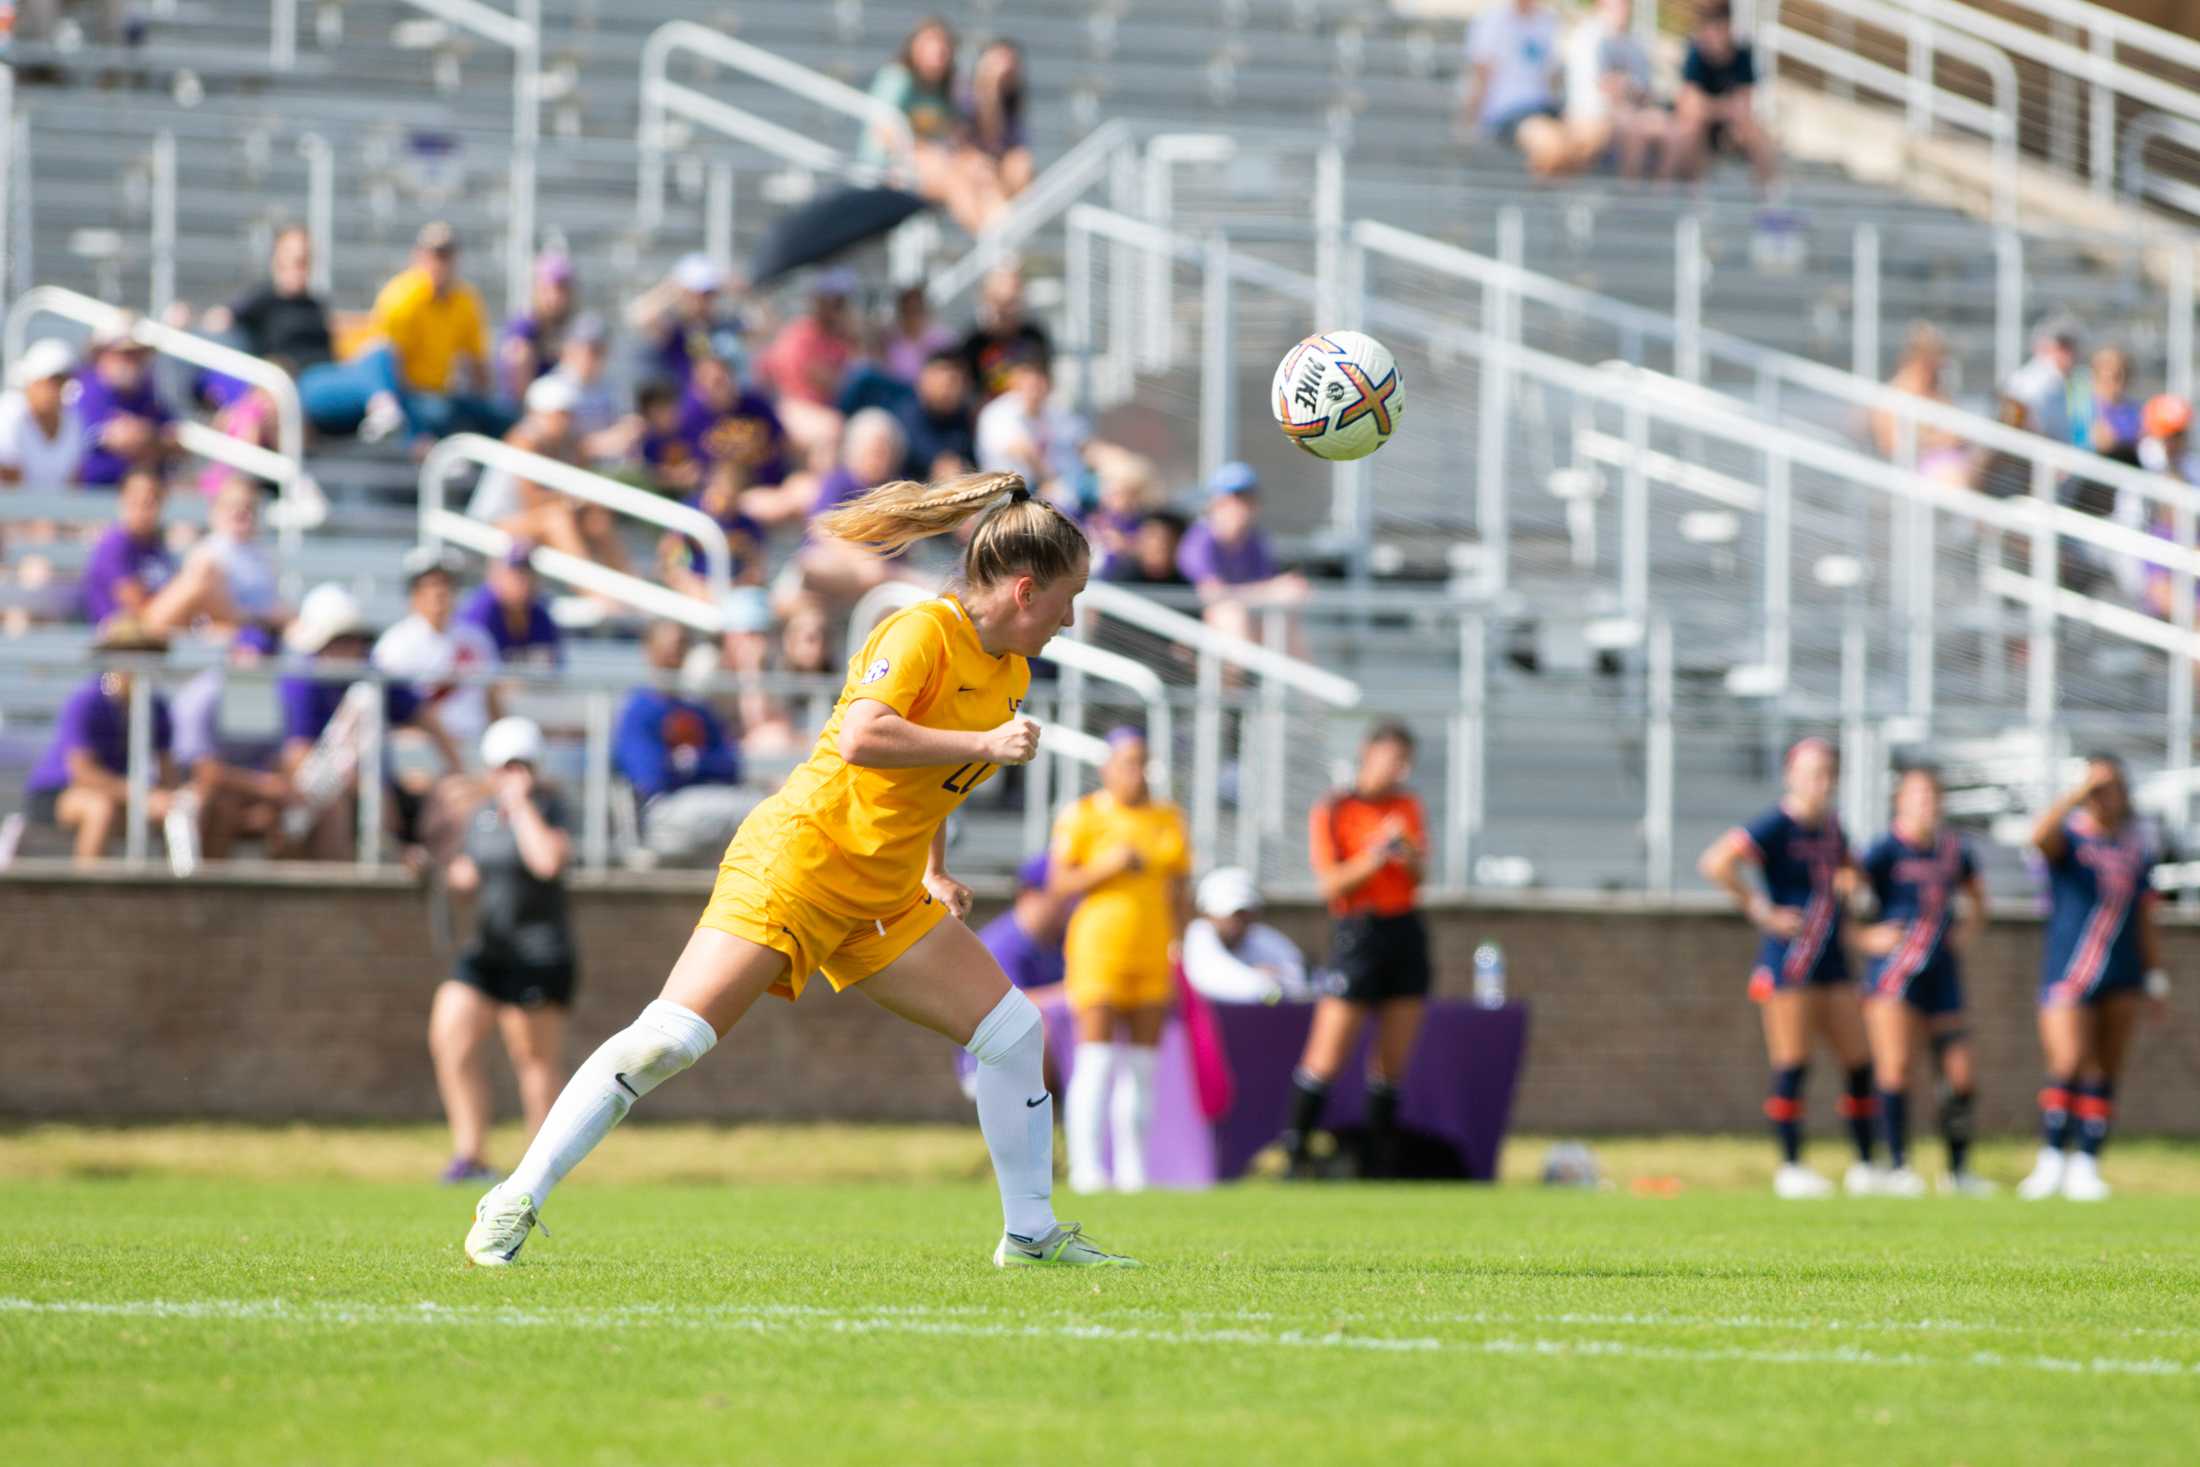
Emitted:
pixel 309 702
pixel 96 404
pixel 120 556
pixel 736 525
pixel 748 434
pixel 1204 558
pixel 541 642
pixel 100 725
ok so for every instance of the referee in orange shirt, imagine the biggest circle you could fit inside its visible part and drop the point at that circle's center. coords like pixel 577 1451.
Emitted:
pixel 1368 845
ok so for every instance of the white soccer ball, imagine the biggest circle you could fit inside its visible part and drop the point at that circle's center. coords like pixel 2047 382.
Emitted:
pixel 1337 395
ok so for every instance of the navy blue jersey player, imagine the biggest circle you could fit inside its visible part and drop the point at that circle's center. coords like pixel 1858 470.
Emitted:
pixel 1801 979
pixel 2102 956
pixel 1919 875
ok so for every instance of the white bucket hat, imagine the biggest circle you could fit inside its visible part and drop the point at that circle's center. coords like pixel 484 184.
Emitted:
pixel 327 612
pixel 511 741
pixel 42 360
pixel 1227 891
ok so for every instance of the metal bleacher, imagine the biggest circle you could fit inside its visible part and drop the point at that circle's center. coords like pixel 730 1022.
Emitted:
pixel 418 116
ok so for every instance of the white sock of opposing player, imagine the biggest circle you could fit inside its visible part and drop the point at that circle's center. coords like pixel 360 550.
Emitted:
pixel 1016 1113
pixel 1086 1123
pixel 665 1040
pixel 1133 1112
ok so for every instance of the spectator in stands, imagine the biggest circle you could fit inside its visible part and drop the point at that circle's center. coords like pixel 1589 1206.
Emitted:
pixel 1512 55
pixel 434 654
pixel 1227 557
pixel 517 974
pixel 722 421
pixel 832 569
pixel 1609 106
pixel 2164 448
pixel 804 364
pixel 606 435
pixel 508 608
pixel 1023 431
pixel 1151 559
pixel 236 801
pixel 42 437
pixel 919 85
pixel 320 750
pixel 1941 455
pixel 682 563
pixel 674 751
pixel 679 321
pixel 915 337
pixel 1230 955
pixel 124 421
pixel 1128 492
pixel 2107 416
pixel 996 143
pixel 937 421
pixel 1717 98
pixel 665 461
pixel 430 374
pixel 531 342
pixel 1004 335
pixel 227 583
pixel 527 510
pixel 281 319
pixel 2041 387
pixel 769 724
pixel 81 783
pixel 130 560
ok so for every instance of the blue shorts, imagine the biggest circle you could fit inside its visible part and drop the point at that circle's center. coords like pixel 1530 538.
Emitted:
pixel 1933 990
pixel 2057 994
pixel 1771 974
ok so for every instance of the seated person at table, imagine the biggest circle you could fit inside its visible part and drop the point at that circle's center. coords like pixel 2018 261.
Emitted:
pixel 507 606
pixel 674 751
pixel 130 560
pixel 1231 956
pixel 81 783
pixel 1026 940
pixel 1367 844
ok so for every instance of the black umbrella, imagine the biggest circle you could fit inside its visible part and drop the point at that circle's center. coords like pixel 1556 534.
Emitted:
pixel 824 227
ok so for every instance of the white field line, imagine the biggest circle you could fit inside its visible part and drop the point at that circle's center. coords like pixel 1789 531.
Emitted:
pixel 960 1323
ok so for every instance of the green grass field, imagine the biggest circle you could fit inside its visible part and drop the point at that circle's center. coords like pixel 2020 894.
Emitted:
pixel 165 1312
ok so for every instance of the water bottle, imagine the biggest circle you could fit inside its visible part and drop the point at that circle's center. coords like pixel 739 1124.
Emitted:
pixel 1489 976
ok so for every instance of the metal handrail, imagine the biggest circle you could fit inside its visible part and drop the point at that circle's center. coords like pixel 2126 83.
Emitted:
pixel 660 95
pixel 2136 182
pixel 521 34
pixel 439 523
pixel 1922 97
pixel 1239 652
pixel 1783 367
pixel 284 466
pixel 1064 183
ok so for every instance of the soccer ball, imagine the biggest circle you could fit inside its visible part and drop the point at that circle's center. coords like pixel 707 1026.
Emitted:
pixel 1337 395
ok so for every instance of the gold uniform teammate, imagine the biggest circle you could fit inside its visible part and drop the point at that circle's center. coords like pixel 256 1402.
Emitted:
pixel 842 871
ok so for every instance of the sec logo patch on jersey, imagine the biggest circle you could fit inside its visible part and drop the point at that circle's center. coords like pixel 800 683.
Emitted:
pixel 876 671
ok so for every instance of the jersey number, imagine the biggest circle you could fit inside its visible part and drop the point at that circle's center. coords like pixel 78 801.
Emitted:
pixel 974 773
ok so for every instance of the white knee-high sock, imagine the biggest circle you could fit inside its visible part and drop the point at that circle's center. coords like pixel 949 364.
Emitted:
pixel 665 1040
pixel 1016 1113
pixel 1089 1085
pixel 1133 1112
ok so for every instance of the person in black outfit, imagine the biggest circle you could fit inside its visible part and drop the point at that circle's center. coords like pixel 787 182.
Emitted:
pixel 517 974
pixel 1716 102
pixel 940 429
pixel 1004 337
pixel 282 319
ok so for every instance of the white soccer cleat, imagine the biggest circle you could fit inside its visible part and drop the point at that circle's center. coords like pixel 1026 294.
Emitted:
pixel 500 1228
pixel 1861 1179
pixel 1899 1182
pixel 2081 1180
pixel 2046 1178
pixel 1795 1181
pixel 1064 1247
pixel 1966 1184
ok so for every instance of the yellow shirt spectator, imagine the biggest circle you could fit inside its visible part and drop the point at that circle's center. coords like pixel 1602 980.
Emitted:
pixel 1117 950
pixel 428 332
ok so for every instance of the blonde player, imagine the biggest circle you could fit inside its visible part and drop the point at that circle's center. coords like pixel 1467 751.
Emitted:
pixel 842 870
pixel 1128 857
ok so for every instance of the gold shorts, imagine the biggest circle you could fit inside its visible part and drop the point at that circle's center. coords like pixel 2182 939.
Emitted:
pixel 1115 986
pixel 846 950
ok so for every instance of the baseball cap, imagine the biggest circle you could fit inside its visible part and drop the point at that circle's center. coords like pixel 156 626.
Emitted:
pixel 327 612
pixel 2165 415
pixel 1227 891
pixel 551 393
pixel 511 741
pixel 1234 477
pixel 554 267
pixel 427 560
pixel 698 272
pixel 436 237
pixel 42 360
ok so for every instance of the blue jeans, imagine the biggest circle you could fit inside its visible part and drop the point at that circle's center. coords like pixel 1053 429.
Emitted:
pixel 336 394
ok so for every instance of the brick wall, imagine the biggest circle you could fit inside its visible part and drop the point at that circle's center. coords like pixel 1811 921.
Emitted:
pixel 288 996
